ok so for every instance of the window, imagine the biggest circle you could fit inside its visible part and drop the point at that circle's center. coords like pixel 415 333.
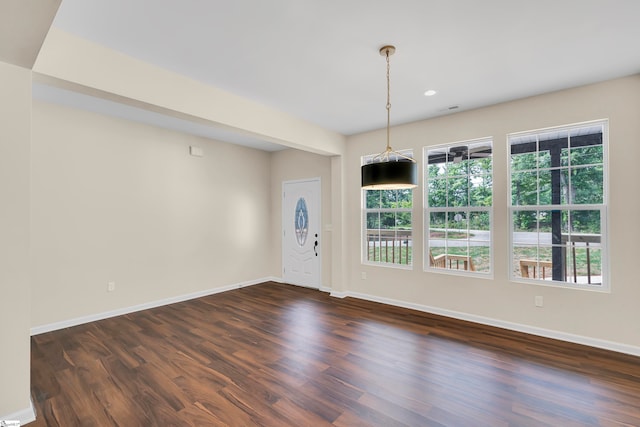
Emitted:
pixel 458 206
pixel 387 234
pixel 558 205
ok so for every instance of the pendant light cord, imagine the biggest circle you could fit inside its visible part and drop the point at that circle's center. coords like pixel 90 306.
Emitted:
pixel 389 149
pixel 385 156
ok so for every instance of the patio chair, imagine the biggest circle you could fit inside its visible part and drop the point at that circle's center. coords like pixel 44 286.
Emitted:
pixel 455 262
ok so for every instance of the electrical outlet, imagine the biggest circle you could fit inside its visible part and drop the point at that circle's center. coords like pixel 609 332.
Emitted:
pixel 538 301
pixel 363 275
pixel 111 286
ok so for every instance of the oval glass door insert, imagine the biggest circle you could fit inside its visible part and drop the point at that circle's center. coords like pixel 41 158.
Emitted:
pixel 301 221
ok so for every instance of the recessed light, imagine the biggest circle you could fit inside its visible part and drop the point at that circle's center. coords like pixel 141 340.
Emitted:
pixel 430 92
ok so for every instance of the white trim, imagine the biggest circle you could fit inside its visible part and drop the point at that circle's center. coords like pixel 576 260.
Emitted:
pixel 36 330
pixel 547 333
pixel 25 416
pixel 339 294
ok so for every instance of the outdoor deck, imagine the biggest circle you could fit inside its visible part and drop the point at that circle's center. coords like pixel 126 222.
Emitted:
pixel 396 246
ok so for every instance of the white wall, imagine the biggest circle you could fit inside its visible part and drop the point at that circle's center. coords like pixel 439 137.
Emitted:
pixel 594 317
pixel 118 201
pixel 291 165
pixel 15 118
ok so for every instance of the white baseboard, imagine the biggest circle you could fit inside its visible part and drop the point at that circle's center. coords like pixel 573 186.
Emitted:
pixel 340 294
pixel 25 416
pixel 36 330
pixel 547 333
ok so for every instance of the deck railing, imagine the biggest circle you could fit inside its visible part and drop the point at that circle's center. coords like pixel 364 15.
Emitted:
pixel 393 246
pixel 578 240
pixel 540 269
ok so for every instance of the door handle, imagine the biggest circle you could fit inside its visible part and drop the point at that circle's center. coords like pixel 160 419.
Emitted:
pixel 315 245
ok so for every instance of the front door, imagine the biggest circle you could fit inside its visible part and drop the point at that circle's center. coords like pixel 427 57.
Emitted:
pixel 301 232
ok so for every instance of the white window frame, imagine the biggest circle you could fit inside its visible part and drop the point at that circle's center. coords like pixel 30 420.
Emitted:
pixel 427 210
pixel 364 240
pixel 604 286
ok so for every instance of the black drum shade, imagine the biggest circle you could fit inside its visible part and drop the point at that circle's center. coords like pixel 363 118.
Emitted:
pixel 390 175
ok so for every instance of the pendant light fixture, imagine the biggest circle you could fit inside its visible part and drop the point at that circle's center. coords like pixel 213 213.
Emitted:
pixel 389 170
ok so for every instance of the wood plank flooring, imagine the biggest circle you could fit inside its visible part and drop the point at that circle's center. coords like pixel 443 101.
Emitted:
pixel 279 355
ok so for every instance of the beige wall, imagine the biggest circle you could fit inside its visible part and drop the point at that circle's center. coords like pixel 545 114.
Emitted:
pixel 291 165
pixel 71 61
pixel 599 317
pixel 119 201
pixel 15 117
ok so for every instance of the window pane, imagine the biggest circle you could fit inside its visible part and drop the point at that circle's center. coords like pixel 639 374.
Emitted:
pixel 565 222
pixel 458 169
pixel 373 241
pixel 565 189
pixel 585 222
pixel 480 254
pixel 372 199
pixel 584 264
pixel 480 193
pixel 437 224
pixel 456 250
pixel 525 221
pixel 458 191
pixel 564 157
pixel 524 256
pixel 587 185
pixel 404 198
pixel 524 189
pixel 437 255
pixel 437 193
pixel 480 221
pixel 387 220
pixel 437 160
pixel 457 225
pixel 437 170
pixel 545 224
pixel 544 185
pixel 589 155
pixel 526 161
pixel 373 220
pixel 544 159
pixel 525 227
pixel 388 198
pixel 481 166
pixel 403 220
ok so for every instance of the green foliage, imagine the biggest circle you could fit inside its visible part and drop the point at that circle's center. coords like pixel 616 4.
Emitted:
pixel 464 184
pixel 389 199
pixel 581 181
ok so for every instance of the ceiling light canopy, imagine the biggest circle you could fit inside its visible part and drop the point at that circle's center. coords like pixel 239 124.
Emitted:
pixel 389 170
pixel 430 92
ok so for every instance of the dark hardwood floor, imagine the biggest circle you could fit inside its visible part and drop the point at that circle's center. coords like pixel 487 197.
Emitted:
pixel 279 355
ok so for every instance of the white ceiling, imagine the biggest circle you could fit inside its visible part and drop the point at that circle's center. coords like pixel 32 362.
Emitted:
pixel 318 60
